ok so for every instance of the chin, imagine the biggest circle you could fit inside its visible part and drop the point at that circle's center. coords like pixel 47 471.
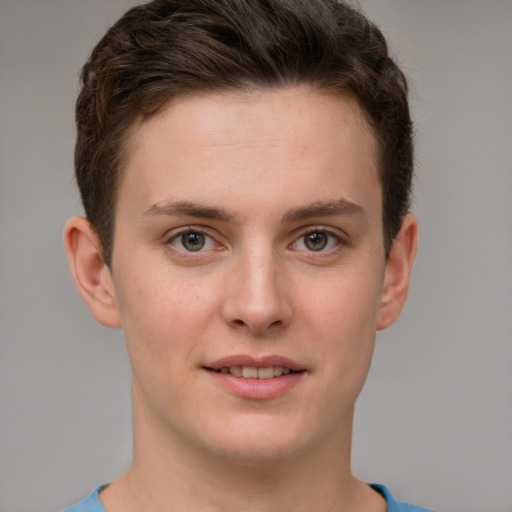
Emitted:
pixel 259 442
pixel 257 454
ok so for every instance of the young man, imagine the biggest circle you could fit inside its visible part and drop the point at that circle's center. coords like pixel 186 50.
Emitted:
pixel 245 169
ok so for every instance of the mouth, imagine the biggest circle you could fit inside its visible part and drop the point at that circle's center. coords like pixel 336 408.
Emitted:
pixel 256 378
pixel 254 372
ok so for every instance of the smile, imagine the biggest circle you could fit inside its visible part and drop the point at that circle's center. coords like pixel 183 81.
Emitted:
pixel 256 378
pixel 252 372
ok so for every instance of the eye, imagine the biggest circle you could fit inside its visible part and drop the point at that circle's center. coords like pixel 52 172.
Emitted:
pixel 192 241
pixel 317 240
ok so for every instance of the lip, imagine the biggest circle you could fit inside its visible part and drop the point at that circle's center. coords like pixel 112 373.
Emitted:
pixel 256 389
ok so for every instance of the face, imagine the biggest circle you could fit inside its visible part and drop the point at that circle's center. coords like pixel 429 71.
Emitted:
pixel 248 268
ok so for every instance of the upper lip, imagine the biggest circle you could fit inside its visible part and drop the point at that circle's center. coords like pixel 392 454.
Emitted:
pixel 257 362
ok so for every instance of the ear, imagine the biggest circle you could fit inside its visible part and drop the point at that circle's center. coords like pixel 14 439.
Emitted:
pixel 91 275
pixel 398 272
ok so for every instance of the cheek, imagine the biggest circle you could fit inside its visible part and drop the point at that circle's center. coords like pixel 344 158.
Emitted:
pixel 345 303
pixel 345 316
pixel 162 316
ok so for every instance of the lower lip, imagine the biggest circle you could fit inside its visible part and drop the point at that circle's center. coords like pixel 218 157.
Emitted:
pixel 257 389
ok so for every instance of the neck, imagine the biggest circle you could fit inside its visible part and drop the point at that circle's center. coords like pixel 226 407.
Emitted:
pixel 169 473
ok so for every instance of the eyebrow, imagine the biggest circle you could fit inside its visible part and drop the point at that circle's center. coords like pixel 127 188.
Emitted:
pixel 324 209
pixel 198 210
pixel 189 209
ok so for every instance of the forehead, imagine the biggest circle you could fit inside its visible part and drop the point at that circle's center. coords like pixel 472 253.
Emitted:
pixel 261 113
pixel 254 142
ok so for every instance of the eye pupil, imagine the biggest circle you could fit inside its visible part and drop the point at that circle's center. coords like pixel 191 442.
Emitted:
pixel 316 241
pixel 193 241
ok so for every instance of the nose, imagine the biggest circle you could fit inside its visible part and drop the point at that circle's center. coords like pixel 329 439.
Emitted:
pixel 257 294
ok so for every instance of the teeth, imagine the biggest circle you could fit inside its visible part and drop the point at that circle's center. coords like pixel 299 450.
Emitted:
pixel 251 372
pixel 236 370
pixel 265 373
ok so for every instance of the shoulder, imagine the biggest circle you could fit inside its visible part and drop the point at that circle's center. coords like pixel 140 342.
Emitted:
pixel 90 503
pixel 394 505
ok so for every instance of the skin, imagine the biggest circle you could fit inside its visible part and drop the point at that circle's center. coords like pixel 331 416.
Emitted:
pixel 258 165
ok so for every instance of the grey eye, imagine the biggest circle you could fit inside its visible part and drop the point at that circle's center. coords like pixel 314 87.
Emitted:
pixel 193 241
pixel 316 241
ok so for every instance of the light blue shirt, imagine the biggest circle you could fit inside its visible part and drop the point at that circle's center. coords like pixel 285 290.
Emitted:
pixel 92 503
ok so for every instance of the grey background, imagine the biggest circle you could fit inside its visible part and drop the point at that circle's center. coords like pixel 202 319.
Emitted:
pixel 434 422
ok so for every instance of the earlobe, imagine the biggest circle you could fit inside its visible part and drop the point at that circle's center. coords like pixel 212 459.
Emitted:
pixel 90 273
pixel 398 272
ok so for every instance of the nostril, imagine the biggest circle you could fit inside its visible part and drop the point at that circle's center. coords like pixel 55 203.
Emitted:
pixel 239 322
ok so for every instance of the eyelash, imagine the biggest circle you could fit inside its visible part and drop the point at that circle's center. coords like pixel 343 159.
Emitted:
pixel 332 238
pixel 191 230
pixel 208 240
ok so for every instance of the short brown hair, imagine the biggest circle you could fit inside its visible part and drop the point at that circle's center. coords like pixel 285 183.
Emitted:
pixel 169 48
